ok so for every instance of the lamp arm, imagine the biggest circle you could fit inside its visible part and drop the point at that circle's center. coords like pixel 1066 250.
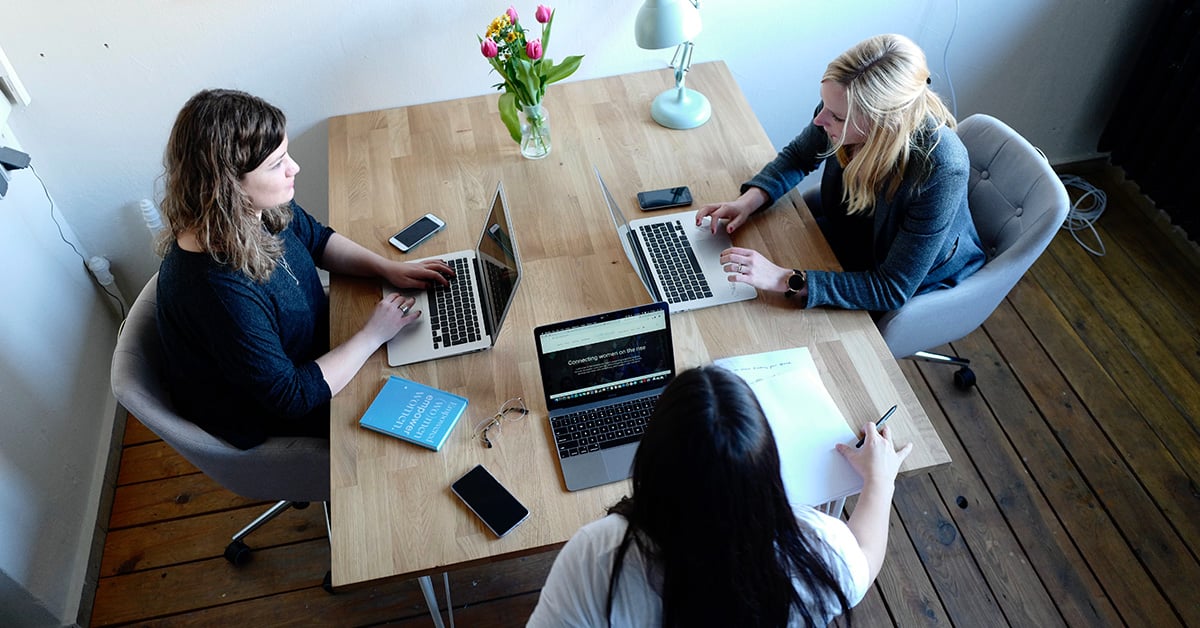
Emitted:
pixel 683 53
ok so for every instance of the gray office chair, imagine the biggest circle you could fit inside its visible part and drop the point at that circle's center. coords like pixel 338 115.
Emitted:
pixel 293 470
pixel 1018 204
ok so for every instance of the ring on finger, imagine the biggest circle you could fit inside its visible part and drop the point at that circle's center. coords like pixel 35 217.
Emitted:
pixel 404 309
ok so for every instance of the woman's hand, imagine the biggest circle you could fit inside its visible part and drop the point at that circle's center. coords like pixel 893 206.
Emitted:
pixel 749 266
pixel 877 461
pixel 736 212
pixel 392 313
pixel 420 275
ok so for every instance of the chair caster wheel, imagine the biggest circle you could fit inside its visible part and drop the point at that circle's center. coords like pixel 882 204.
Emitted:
pixel 327 584
pixel 964 378
pixel 299 505
pixel 237 553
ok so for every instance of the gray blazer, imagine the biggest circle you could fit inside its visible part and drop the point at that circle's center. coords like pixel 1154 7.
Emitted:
pixel 924 238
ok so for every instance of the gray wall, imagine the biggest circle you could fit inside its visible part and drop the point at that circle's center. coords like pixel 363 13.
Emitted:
pixel 107 78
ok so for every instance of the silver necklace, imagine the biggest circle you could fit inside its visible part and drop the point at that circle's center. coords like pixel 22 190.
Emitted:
pixel 286 267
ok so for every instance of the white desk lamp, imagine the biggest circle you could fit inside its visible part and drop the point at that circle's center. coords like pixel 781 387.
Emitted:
pixel 666 23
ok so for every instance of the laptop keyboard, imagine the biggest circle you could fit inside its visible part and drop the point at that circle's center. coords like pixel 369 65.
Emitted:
pixel 671 253
pixel 592 430
pixel 452 317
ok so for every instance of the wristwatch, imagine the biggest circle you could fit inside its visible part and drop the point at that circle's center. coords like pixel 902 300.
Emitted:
pixel 796 282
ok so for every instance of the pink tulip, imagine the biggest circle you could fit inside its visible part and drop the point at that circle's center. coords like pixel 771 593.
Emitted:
pixel 543 13
pixel 489 48
pixel 512 14
pixel 533 49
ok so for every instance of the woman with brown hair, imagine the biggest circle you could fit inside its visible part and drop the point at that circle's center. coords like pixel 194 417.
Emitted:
pixel 242 313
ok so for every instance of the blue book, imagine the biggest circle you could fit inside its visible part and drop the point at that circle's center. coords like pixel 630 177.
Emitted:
pixel 414 412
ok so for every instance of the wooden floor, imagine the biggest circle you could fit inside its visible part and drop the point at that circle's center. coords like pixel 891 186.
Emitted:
pixel 1073 499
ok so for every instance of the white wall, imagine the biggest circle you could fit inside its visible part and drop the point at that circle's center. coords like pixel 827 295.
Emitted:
pixel 57 334
pixel 107 79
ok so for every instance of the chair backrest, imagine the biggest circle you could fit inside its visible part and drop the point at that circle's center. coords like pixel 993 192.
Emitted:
pixel 1018 203
pixel 291 468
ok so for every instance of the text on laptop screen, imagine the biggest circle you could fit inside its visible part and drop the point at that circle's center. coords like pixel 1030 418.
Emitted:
pixel 497 264
pixel 606 358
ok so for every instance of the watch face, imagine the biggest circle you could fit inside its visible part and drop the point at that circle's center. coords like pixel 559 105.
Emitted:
pixel 795 282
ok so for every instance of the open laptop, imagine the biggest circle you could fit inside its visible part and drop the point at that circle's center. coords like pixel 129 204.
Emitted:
pixel 602 376
pixel 467 315
pixel 677 261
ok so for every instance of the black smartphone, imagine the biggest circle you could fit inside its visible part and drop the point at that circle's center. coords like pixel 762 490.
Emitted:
pixel 664 198
pixel 417 232
pixel 490 501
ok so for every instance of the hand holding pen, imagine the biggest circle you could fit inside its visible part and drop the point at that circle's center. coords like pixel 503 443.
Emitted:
pixel 877 460
pixel 878 425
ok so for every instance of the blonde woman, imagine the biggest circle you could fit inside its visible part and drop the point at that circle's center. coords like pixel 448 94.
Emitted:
pixel 893 195
pixel 242 315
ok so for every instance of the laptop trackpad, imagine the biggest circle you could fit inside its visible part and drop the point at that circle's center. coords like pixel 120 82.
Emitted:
pixel 619 461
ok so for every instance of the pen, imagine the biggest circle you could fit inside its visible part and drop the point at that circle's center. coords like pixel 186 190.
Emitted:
pixel 878 424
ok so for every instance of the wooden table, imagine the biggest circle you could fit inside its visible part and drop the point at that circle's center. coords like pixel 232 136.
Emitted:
pixel 393 512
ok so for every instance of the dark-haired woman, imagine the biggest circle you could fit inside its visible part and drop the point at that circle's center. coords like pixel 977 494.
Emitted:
pixel 242 314
pixel 708 537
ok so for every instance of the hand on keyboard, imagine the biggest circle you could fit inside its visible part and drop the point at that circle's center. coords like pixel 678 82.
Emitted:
pixel 391 314
pixel 420 275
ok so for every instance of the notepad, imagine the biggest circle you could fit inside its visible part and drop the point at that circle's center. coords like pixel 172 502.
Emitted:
pixel 806 422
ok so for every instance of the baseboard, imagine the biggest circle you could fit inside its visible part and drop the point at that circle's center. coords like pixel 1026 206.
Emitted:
pixel 91 581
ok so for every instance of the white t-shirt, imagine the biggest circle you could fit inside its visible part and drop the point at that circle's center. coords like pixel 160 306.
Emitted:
pixel 576 590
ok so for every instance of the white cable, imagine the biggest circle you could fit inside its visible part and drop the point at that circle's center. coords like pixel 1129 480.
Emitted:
pixel 946 66
pixel 1084 216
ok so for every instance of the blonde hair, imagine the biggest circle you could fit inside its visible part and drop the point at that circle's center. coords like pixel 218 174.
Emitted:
pixel 219 136
pixel 887 88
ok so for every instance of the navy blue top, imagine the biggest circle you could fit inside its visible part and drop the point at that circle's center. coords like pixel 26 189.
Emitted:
pixel 241 354
pixel 922 239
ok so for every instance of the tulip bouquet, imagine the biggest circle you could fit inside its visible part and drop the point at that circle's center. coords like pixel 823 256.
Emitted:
pixel 524 68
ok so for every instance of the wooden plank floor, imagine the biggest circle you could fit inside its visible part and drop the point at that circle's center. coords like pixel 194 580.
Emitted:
pixel 1073 499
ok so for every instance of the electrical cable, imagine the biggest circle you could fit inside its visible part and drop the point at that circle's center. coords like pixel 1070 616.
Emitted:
pixel 946 65
pixel 64 239
pixel 1082 216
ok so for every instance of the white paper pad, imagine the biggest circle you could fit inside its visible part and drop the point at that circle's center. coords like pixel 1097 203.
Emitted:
pixel 806 422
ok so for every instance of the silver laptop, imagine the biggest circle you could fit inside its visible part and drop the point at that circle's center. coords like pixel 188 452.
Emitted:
pixel 677 261
pixel 602 376
pixel 467 315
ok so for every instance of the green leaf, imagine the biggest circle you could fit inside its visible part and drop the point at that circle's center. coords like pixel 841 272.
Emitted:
pixel 508 113
pixel 546 31
pixel 564 69
pixel 529 78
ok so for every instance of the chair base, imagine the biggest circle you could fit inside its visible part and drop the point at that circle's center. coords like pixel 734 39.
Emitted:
pixel 964 377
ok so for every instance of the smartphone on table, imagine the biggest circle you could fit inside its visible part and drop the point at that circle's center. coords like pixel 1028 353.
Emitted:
pixel 664 198
pixel 417 232
pixel 490 501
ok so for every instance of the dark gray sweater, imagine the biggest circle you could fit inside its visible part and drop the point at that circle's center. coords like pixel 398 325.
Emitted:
pixel 240 353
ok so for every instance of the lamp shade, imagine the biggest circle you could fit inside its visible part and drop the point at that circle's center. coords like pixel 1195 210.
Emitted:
pixel 666 23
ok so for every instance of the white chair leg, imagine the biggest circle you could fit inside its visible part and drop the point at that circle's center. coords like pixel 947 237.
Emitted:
pixel 431 600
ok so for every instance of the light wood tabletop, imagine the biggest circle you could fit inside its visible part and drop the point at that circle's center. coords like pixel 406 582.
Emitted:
pixel 393 511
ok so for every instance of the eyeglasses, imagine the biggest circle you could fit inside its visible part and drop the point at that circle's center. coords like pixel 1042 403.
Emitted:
pixel 512 410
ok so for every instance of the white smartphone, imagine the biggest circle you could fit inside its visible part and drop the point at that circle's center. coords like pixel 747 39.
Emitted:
pixel 487 498
pixel 419 231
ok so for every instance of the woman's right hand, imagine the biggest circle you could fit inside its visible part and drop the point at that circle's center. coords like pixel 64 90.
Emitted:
pixel 735 212
pixel 877 460
pixel 392 313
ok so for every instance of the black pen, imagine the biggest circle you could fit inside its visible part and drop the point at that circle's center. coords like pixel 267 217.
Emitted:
pixel 878 424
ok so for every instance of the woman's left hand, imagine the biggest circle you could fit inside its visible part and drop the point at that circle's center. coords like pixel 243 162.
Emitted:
pixel 749 266
pixel 419 275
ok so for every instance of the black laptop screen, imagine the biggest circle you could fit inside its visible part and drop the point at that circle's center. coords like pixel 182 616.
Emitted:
pixel 605 356
pixel 499 270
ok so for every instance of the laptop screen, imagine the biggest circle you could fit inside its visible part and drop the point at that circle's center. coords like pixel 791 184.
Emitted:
pixel 604 356
pixel 499 269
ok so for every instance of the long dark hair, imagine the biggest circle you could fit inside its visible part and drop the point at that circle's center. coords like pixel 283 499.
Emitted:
pixel 219 136
pixel 709 512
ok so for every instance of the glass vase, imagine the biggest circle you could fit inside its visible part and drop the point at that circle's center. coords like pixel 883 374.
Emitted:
pixel 535 132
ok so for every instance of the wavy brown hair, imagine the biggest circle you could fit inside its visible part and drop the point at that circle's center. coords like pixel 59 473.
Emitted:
pixel 887 87
pixel 218 137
